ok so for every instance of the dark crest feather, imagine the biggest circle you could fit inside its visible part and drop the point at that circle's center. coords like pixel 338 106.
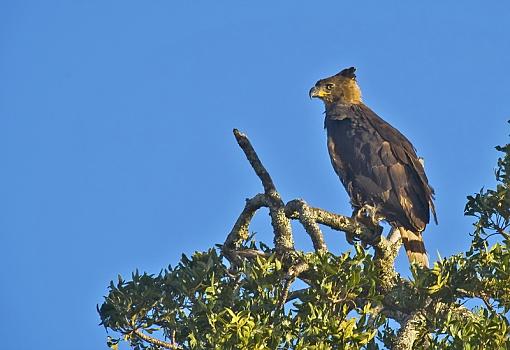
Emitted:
pixel 348 73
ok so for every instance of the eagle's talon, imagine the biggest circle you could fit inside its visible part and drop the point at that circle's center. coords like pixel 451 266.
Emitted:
pixel 351 238
pixel 367 215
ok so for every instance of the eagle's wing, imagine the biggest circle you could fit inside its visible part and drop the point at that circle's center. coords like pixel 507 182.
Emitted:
pixel 366 165
pixel 379 166
pixel 405 169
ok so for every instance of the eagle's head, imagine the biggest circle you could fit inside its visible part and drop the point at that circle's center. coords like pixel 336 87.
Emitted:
pixel 340 88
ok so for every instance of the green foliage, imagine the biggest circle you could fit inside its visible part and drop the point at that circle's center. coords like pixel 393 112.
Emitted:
pixel 205 303
pixel 201 304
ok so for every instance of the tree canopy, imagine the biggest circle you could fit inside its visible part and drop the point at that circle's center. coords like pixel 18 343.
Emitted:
pixel 245 294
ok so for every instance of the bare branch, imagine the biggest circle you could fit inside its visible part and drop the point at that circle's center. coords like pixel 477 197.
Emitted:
pixel 396 315
pixel 155 341
pixel 294 272
pixel 283 239
pixel 409 332
pixel 251 253
pixel 334 221
pixel 255 162
pixel 240 230
pixel 299 209
pixel 385 250
pixel 394 236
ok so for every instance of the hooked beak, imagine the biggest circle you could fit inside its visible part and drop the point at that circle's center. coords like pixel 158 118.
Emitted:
pixel 317 92
pixel 313 92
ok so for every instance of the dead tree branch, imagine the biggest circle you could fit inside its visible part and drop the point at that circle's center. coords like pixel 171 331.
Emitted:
pixel 239 233
pixel 255 162
pixel 283 239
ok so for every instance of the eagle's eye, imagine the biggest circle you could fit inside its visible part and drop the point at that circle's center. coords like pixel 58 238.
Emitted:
pixel 329 86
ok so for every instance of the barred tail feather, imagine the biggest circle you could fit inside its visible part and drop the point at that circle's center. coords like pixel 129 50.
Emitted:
pixel 415 248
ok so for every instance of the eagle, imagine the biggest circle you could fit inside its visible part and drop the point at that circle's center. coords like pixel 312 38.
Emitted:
pixel 376 164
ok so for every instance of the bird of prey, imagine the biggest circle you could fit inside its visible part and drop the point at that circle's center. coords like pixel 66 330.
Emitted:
pixel 377 165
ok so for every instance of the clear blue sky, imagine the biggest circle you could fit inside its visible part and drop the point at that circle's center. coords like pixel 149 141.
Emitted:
pixel 116 118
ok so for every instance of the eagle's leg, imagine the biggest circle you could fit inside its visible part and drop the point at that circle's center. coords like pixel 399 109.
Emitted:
pixel 367 215
pixel 350 237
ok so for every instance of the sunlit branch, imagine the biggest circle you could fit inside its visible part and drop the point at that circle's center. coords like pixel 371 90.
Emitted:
pixel 155 341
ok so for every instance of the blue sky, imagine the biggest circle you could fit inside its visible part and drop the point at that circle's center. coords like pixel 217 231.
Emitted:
pixel 116 119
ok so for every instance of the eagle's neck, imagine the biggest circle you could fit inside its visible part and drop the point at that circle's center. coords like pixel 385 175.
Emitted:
pixel 350 92
pixel 340 111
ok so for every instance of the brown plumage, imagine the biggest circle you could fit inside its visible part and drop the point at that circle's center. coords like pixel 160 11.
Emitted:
pixel 377 165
